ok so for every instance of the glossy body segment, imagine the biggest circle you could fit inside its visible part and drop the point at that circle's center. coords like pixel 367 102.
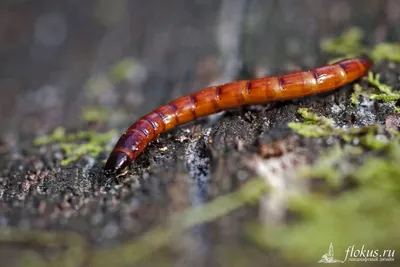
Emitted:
pixel 214 99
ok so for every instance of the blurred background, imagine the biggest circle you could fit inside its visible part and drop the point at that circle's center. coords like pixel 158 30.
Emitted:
pixel 101 64
pixel 59 59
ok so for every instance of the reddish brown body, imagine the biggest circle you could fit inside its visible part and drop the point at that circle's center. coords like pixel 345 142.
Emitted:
pixel 227 96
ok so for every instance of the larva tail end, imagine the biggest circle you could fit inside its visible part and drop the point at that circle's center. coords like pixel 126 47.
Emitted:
pixel 116 162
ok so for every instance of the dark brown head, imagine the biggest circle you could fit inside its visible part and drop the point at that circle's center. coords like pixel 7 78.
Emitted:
pixel 116 162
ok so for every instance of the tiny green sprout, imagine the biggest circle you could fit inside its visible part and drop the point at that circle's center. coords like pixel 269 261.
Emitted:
pixel 356 94
pixel 386 91
pixel 76 145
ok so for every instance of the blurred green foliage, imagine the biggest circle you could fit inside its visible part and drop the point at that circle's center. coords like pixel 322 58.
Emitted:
pixel 316 126
pixel 368 214
pixel 349 44
pixel 386 91
pixel 76 145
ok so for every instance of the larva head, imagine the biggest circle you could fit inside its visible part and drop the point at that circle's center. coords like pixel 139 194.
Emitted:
pixel 116 162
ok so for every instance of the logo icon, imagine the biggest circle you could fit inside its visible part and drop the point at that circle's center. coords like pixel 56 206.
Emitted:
pixel 328 257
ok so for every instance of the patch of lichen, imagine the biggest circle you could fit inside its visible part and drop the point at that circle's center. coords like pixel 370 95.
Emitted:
pixel 349 44
pixel 78 144
pixel 315 126
pixel 366 215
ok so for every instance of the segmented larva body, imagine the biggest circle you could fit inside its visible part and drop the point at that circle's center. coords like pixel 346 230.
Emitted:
pixel 231 95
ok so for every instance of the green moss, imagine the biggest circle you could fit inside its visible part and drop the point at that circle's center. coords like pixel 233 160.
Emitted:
pixel 315 126
pixel 349 44
pixel 76 145
pixel 313 118
pixel 310 130
pixel 367 214
pixel 357 91
pixel 386 91
pixel 375 81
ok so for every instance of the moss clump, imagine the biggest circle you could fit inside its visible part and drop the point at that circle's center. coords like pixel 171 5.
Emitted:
pixel 315 126
pixel 386 91
pixel 366 215
pixel 349 44
pixel 76 145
